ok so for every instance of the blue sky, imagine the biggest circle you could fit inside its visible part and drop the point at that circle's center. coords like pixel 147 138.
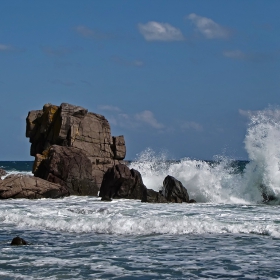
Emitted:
pixel 175 76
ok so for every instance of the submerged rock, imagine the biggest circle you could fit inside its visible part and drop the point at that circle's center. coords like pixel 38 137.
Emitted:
pixel 18 241
pixel 121 182
pixel 85 137
pixel 174 191
pixel 24 186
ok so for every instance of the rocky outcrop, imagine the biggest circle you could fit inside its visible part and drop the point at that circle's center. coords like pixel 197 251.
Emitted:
pixel 19 186
pixel 78 132
pixel 121 182
pixel 174 191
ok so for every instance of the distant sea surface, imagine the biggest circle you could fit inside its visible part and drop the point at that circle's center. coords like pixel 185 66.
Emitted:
pixel 230 233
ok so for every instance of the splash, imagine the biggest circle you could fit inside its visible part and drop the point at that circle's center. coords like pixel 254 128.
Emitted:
pixel 220 181
pixel 263 147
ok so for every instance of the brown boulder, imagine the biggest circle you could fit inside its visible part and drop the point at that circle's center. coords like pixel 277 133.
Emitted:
pixel 19 186
pixel 121 182
pixel 73 126
pixel 70 167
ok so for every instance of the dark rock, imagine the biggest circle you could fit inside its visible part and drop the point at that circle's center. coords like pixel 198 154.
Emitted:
pixel 121 182
pixel 174 191
pixel 192 201
pixel 152 196
pixel 106 198
pixel 18 241
pixel 19 186
pixel 68 166
pixel 2 172
pixel 74 127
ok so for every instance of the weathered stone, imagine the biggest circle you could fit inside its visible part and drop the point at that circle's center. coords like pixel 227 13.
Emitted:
pixel 73 126
pixel 19 186
pixel 68 166
pixel 18 241
pixel 152 196
pixel 174 191
pixel 121 182
pixel 2 172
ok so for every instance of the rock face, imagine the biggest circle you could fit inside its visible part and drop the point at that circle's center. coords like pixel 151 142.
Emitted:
pixel 174 191
pixel 85 142
pixel 18 186
pixel 68 167
pixel 121 182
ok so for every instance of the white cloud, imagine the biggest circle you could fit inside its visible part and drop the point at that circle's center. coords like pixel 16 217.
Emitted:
pixel 208 28
pixel 156 31
pixel 148 118
pixel 235 54
pixel 191 125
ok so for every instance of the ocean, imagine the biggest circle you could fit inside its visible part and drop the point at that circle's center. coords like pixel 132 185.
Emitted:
pixel 230 233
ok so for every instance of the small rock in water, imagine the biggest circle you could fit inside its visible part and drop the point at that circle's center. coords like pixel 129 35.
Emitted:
pixel 18 241
pixel 192 201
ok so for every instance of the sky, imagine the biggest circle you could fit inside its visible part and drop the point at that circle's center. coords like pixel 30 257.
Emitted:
pixel 178 77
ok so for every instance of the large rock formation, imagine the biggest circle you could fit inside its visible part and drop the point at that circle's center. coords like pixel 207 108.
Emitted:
pixel 87 151
pixel 121 182
pixel 19 186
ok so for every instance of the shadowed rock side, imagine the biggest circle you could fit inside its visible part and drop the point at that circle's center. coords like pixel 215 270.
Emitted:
pixel 68 167
pixel 19 186
pixel 121 182
pixel 74 128
pixel 174 191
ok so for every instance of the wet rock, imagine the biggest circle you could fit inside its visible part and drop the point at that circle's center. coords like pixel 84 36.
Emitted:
pixel 192 201
pixel 174 191
pixel 152 196
pixel 121 182
pixel 18 241
pixel 73 127
pixel 24 186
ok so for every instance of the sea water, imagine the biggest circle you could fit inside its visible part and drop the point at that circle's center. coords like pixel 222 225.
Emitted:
pixel 230 233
